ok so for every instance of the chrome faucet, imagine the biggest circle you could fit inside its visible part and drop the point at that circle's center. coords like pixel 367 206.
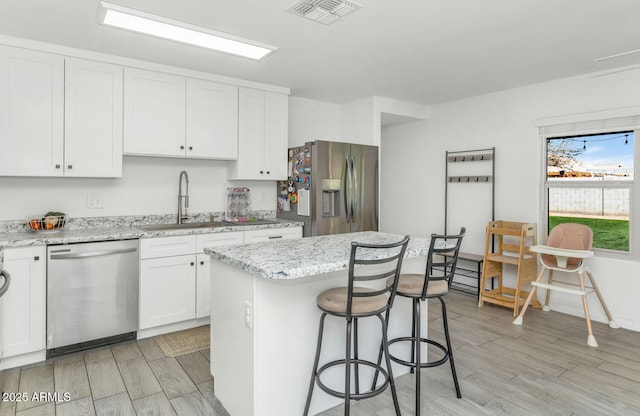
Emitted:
pixel 182 214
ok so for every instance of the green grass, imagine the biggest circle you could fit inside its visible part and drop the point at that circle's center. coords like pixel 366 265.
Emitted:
pixel 608 234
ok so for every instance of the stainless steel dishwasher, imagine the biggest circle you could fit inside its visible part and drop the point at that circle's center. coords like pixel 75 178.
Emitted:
pixel 92 295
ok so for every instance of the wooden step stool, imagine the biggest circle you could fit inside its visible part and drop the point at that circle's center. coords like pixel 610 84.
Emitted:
pixel 512 242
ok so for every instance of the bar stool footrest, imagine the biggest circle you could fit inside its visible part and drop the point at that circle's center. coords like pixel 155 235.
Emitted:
pixel 427 364
pixel 353 396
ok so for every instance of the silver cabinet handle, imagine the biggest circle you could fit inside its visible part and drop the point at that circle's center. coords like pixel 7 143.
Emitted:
pixel 7 281
pixel 91 254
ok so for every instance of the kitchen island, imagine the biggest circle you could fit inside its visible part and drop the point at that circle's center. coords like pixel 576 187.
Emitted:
pixel 264 320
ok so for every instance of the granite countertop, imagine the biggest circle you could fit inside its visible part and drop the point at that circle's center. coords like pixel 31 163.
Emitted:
pixel 31 238
pixel 291 259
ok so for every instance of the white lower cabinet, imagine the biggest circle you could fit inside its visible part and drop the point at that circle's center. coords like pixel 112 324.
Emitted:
pixel 203 286
pixel 203 278
pixel 167 289
pixel 174 277
pixel 24 305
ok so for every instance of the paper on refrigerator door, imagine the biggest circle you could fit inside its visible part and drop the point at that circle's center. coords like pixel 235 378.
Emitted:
pixel 304 202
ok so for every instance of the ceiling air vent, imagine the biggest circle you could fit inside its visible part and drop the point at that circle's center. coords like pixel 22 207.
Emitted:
pixel 323 11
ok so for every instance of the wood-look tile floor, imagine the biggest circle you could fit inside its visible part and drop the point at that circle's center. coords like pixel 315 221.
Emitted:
pixel 133 378
pixel 541 368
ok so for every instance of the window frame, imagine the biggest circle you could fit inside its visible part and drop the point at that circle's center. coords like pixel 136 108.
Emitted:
pixel 632 185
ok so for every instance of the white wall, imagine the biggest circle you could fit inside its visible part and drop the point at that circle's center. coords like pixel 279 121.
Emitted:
pixel 506 120
pixel 148 185
pixel 357 124
pixel 406 199
pixel 313 120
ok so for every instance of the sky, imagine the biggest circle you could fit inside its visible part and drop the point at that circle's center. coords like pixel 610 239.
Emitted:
pixel 606 149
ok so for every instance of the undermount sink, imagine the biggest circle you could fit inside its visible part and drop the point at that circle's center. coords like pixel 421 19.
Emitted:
pixel 184 226
pixel 254 222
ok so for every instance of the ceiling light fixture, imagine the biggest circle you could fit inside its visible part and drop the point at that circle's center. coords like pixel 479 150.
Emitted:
pixel 122 17
pixel 617 55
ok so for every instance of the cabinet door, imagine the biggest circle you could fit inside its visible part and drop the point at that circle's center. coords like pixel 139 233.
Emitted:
pixel 276 135
pixel 31 112
pixel 24 314
pixel 203 283
pixel 251 145
pixel 203 286
pixel 257 236
pixel 167 288
pixel 154 113
pixel 262 135
pixel 212 120
pixel 93 119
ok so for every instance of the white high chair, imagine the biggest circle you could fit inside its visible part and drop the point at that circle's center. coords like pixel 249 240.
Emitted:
pixel 568 250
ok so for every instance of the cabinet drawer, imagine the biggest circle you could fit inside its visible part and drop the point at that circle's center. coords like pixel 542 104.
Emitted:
pixel 167 246
pixel 256 236
pixel 218 239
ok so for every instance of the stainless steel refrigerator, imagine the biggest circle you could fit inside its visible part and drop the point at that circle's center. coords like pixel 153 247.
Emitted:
pixel 332 188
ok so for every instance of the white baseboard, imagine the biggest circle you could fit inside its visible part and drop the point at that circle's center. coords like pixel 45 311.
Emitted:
pixel 23 359
pixel 178 326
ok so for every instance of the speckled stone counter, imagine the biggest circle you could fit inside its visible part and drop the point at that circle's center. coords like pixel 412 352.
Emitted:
pixel 264 320
pixel 290 259
pixel 83 235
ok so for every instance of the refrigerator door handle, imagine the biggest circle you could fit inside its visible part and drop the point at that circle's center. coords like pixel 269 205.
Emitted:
pixel 355 197
pixel 347 186
pixel 375 193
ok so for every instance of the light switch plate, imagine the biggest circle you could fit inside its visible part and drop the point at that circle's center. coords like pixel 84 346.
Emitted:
pixel 94 201
pixel 248 315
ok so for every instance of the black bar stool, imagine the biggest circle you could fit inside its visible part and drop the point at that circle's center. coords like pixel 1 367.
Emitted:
pixel 442 259
pixel 368 262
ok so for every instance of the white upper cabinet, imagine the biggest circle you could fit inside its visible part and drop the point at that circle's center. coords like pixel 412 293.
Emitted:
pixel 170 115
pixel 93 119
pixel 59 116
pixel 64 116
pixel 212 120
pixel 154 113
pixel 262 135
pixel 276 130
pixel 31 113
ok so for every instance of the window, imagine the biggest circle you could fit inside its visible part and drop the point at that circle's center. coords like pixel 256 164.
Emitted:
pixel 590 180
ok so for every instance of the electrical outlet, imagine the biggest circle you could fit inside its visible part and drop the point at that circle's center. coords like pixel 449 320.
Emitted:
pixel 248 315
pixel 94 201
